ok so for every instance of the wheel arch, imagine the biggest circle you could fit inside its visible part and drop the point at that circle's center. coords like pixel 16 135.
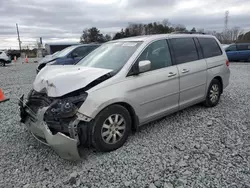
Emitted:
pixel 221 82
pixel 127 106
pixel 134 117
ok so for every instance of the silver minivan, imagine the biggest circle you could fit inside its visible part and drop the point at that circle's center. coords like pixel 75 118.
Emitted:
pixel 120 86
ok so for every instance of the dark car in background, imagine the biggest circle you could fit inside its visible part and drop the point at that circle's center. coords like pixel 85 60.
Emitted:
pixel 238 52
pixel 68 56
pixel 13 54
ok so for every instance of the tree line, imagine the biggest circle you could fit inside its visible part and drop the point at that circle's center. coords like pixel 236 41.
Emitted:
pixel 93 35
pixel 134 29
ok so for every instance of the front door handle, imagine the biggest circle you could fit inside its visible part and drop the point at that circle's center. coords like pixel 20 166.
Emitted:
pixel 184 71
pixel 171 74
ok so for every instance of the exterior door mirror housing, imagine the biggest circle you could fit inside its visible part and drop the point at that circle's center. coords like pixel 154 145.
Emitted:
pixel 144 66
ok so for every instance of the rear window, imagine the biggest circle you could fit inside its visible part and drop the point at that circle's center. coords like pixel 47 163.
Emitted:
pixel 210 47
pixel 184 50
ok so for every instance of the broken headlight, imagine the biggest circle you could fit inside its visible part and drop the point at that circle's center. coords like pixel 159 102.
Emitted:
pixel 65 107
pixel 62 109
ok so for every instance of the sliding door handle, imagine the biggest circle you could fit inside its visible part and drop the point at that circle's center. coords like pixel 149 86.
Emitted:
pixel 184 71
pixel 171 74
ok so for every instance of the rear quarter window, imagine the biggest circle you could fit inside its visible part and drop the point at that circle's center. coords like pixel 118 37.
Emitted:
pixel 210 47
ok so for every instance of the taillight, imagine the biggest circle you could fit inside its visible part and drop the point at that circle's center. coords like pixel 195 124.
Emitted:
pixel 227 63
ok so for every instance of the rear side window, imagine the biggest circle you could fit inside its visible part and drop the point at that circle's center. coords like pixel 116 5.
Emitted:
pixel 0 53
pixel 210 47
pixel 184 50
pixel 242 47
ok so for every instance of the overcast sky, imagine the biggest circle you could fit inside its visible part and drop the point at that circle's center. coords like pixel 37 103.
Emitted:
pixel 64 20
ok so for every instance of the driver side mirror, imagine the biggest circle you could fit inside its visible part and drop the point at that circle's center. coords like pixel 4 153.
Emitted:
pixel 74 55
pixel 140 67
pixel 144 66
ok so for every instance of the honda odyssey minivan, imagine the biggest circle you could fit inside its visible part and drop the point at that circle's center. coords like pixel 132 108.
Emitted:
pixel 122 85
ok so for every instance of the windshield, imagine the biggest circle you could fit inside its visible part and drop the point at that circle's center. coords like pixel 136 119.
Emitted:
pixel 55 54
pixel 65 51
pixel 110 55
pixel 225 46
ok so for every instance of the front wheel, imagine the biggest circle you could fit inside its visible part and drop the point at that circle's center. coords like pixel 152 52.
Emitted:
pixel 111 128
pixel 2 63
pixel 213 93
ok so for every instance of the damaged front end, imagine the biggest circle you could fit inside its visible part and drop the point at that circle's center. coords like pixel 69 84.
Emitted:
pixel 54 121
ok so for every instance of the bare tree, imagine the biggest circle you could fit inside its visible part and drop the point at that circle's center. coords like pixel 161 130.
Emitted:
pixel 228 36
pixel 201 30
pixel 180 27
pixel 166 23
pixel 235 33
pixel 231 35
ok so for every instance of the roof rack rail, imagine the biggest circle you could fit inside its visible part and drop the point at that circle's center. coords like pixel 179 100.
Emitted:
pixel 187 32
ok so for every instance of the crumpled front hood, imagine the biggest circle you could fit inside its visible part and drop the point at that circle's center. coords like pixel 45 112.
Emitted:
pixel 59 80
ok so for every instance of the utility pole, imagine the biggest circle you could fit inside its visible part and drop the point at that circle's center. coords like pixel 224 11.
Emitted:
pixel 226 20
pixel 19 41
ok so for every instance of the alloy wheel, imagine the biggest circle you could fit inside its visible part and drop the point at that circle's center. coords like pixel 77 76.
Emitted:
pixel 214 93
pixel 113 129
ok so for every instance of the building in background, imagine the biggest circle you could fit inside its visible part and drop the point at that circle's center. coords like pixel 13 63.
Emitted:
pixel 51 48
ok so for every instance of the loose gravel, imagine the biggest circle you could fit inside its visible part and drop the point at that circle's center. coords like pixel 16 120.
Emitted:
pixel 197 147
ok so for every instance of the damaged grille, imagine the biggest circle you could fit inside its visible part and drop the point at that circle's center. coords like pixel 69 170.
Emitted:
pixel 39 100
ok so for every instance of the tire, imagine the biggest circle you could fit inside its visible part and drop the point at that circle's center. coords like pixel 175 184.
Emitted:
pixel 103 131
pixel 248 60
pixel 2 63
pixel 213 93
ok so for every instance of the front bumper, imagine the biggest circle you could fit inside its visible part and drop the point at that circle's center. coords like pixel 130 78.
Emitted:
pixel 64 146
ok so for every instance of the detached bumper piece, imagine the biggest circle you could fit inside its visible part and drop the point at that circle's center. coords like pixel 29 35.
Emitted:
pixel 64 146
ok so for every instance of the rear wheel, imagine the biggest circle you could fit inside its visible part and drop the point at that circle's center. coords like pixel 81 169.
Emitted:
pixel 248 59
pixel 2 63
pixel 111 128
pixel 213 93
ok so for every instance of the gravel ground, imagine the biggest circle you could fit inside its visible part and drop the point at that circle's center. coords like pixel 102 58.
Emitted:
pixel 197 147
